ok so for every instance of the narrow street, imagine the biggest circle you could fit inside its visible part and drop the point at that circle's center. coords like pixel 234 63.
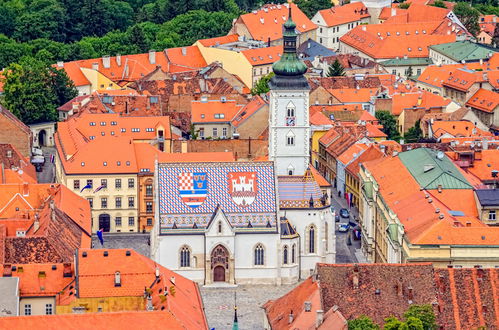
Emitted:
pixel 346 253
pixel 47 175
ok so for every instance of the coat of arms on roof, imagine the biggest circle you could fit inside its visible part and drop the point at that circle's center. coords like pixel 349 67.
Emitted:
pixel 193 187
pixel 243 187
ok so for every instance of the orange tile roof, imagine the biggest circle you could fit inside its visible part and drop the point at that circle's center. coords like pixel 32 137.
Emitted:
pixel 267 22
pixel 349 95
pixel 321 181
pixel 372 153
pixel 484 100
pixel 351 12
pixel 374 132
pixel 493 76
pixel 435 75
pixel 95 321
pixel 214 111
pixel 255 104
pixel 352 152
pixel 261 56
pixel 386 12
pixel 419 100
pixel 462 79
pixel 319 119
pixel 384 41
pixel 219 40
pixel 75 74
pixel 336 107
pixel 138 272
pixel 457 199
pixel 278 310
pixel 483 163
pixel 457 128
pixel 419 13
pixel 182 59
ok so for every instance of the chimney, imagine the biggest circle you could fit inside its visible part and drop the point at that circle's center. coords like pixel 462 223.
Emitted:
pixel 481 61
pixel 25 189
pixel 485 76
pixel 118 59
pixel 149 306
pixel 319 318
pixel 67 272
pixel 268 42
pixel 36 224
pixel 95 66
pixel 157 272
pixel 184 51
pixel 307 306
pixel 394 12
pixel 106 61
pixel 117 279
pixel 7 270
pixel 291 317
pixel 152 56
pixel 364 28
pixel 60 64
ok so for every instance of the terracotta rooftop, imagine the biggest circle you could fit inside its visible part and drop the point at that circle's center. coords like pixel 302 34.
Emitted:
pixel 484 100
pixel 254 105
pixel 417 13
pixel 265 55
pixel 351 12
pixel 461 128
pixel 214 111
pixel 462 79
pixel 16 168
pixel 348 95
pixel 371 153
pixel 266 23
pixel 419 100
pixel 344 82
pixel 219 40
pixel 95 321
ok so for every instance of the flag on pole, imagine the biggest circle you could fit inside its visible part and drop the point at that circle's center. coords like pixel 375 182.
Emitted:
pixel 99 188
pixel 100 236
pixel 88 186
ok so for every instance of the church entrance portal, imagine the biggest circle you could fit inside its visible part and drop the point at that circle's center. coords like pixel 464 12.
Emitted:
pixel 219 263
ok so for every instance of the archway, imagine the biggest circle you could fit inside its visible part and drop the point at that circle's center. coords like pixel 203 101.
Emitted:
pixel 220 263
pixel 105 222
pixel 42 135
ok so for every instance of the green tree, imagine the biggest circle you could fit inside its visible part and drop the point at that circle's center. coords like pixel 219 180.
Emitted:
pixel 138 38
pixel 468 16
pixel 439 4
pixel 404 5
pixel 335 69
pixel 414 134
pixel 62 86
pixel 29 92
pixel 389 123
pixel 362 323
pixel 41 19
pixel 495 36
pixel 412 323
pixel 311 7
pixel 262 85
pixel 423 312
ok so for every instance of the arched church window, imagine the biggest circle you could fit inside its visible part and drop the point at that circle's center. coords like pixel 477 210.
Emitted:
pixel 285 255
pixel 326 235
pixel 185 257
pixel 220 227
pixel 311 239
pixel 293 254
pixel 291 169
pixel 290 139
pixel 259 255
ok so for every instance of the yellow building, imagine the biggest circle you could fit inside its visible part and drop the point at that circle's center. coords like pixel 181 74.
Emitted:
pixel 97 158
pixel 418 207
pixel 249 60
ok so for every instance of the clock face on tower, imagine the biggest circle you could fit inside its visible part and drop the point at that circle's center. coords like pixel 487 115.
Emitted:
pixel 290 121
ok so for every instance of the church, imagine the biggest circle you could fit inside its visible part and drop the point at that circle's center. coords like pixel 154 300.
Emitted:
pixel 262 222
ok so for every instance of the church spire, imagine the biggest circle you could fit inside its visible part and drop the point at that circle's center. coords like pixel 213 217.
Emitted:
pixel 289 69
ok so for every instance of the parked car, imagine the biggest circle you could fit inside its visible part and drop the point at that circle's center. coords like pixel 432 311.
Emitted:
pixel 337 218
pixel 344 227
pixel 344 213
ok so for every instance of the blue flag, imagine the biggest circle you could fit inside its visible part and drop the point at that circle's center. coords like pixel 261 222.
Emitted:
pixel 100 236
pixel 88 186
pixel 99 188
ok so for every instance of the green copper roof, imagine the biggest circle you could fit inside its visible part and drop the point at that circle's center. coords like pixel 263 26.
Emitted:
pixel 464 50
pixel 432 168
pixel 407 61
pixel 289 64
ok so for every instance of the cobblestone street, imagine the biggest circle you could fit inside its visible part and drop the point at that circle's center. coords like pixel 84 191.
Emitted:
pixel 219 304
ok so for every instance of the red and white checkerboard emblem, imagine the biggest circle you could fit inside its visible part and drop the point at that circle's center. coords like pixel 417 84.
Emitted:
pixel 193 187
pixel 243 187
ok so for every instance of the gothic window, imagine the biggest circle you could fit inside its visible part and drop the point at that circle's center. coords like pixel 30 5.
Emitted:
pixel 185 257
pixel 326 234
pixel 291 169
pixel 220 227
pixel 259 255
pixel 290 139
pixel 311 239
pixel 293 254
pixel 285 255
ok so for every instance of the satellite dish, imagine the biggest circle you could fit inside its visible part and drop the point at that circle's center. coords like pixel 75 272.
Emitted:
pixel 440 155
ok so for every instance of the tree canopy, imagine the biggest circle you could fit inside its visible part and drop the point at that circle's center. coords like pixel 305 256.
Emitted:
pixel 33 90
pixel 417 317
pixel 262 85
pixel 468 16
pixel 389 123
pixel 335 69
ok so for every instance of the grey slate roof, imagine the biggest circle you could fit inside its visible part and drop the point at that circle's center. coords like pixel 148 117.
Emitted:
pixel 488 197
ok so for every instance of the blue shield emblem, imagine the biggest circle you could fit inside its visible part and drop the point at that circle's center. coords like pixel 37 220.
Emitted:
pixel 193 187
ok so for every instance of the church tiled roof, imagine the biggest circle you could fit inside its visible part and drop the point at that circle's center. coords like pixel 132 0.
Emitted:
pixel 189 194
pixel 299 192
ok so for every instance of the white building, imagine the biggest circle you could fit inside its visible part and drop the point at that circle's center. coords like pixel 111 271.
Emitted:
pixel 334 22
pixel 250 222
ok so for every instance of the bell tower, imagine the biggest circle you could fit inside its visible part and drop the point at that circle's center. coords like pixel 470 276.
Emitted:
pixel 289 127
